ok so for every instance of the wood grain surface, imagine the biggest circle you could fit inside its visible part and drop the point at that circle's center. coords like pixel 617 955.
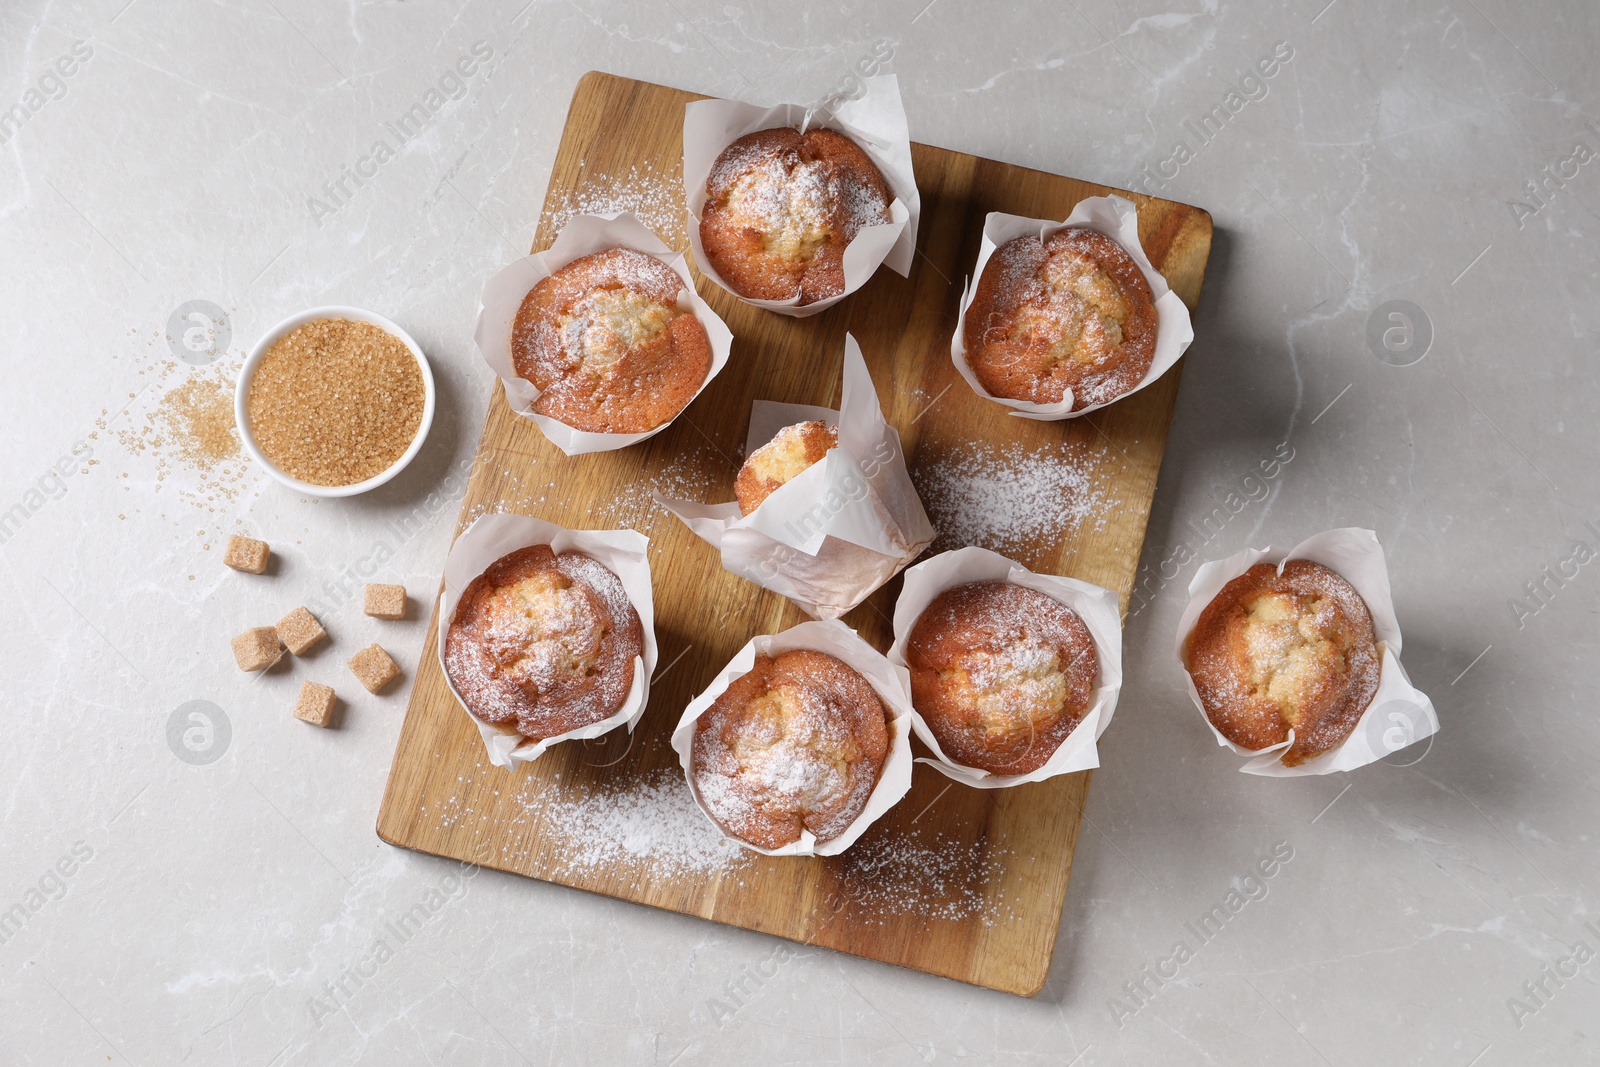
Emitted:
pixel 959 882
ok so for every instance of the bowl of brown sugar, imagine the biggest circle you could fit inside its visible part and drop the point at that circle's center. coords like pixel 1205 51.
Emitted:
pixel 334 401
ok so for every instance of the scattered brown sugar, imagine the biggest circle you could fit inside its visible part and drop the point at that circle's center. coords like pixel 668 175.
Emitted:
pixel 182 426
pixel 336 402
pixel 197 418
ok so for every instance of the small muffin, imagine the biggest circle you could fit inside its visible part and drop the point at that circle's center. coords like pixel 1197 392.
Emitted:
pixel 796 744
pixel 1071 312
pixel 1273 652
pixel 1001 674
pixel 790 452
pixel 543 643
pixel 782 206
pixel 607 345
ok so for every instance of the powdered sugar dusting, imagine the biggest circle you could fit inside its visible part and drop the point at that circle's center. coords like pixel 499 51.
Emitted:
pixel 790 744
pixel 591 313
pixel 769 185
pixel 645 821
pixel 927 874
pixel 1012 497
pixel 789 207
pixel 656 198
pixel 652 819
pixel 1276 651
pixel 545 644
pixel 649 823
pixel 696 472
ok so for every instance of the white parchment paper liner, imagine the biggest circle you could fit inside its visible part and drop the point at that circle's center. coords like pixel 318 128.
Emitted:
pixel 1117 218
pixel 893 686
pixel 503 295
pixel 840 529
pixel 876 121
pixel 622 551
pixel 1096 606
pixel 1399 713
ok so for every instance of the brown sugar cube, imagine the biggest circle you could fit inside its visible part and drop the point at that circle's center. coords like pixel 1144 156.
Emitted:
pixel 257 649
pixel 374 667
pixel 247 554
pixel 385 601
pixel 299 630
pixel 314 704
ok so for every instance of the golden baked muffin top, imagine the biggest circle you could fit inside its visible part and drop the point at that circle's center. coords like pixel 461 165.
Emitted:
pixel 790 453
pixel 797 743
pixel 1071 312
pixel 544 643
pixel 607 344
pixel 1273 652
pixel 1001 674
pixel 782 206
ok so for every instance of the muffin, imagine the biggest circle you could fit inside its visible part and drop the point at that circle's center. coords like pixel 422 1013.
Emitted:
pixel 543 643
pixel 1273 652
pixel 1071 312
pixel 790 452
pixel 1001 674
pixel 796 744
pixel 607 344
pixel 782 206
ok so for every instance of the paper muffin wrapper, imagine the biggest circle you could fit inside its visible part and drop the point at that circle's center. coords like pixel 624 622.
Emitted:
pixel 890 682
pixel 1399 714
pixel 843 527
pixel 1117 218
pixel 624 552
pixel 876 121
pixel 503 295
pixel 1097 608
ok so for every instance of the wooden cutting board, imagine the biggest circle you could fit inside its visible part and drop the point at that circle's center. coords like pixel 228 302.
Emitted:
pixel 954 881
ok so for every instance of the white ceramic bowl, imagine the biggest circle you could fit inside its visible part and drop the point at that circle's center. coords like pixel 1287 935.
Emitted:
pixel 241 397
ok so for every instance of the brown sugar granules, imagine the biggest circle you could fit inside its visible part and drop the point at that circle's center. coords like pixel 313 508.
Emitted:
pixel 336 402
pixel 196 421
pixel 187 433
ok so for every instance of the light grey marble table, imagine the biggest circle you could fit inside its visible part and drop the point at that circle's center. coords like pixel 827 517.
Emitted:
pixel 194 900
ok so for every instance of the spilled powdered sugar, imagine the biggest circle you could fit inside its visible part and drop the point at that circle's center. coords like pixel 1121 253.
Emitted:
pixel 696 472
pixel 656 198
pixel 925 874
pixel 650 821
pixel 644 820
pixel 1007 498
